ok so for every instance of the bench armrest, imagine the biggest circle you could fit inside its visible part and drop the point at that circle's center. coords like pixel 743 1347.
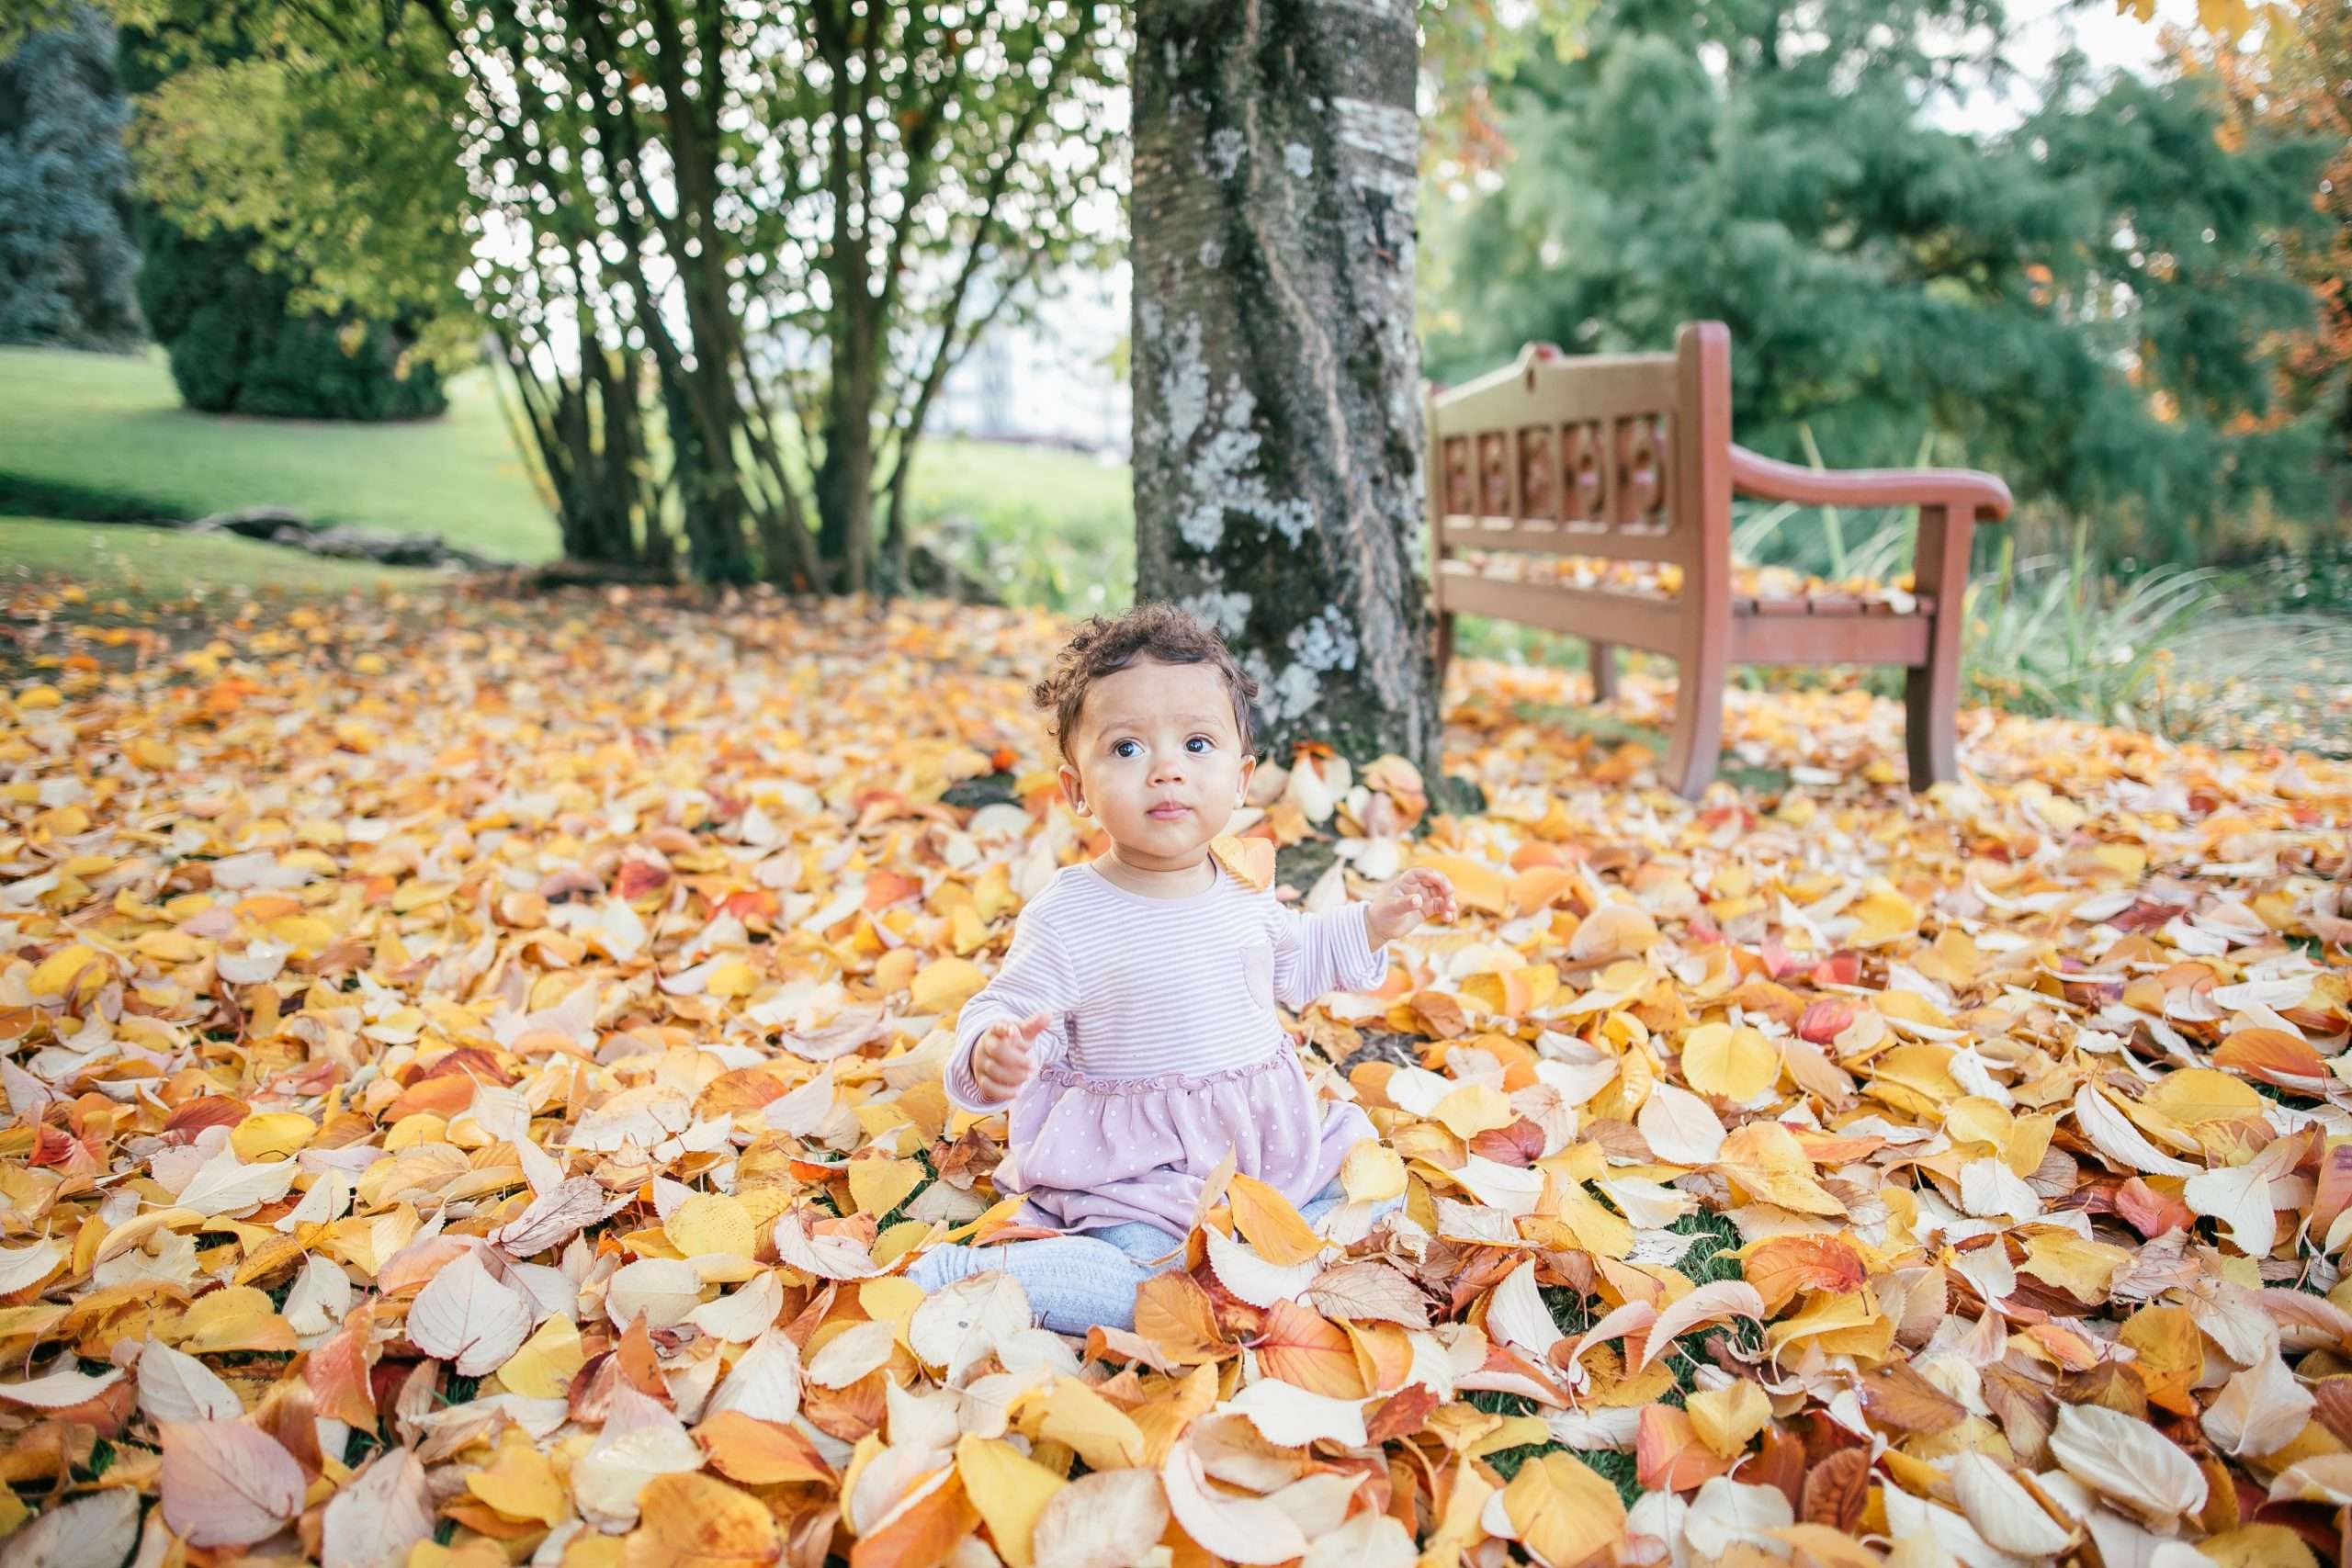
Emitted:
pixel 1754 474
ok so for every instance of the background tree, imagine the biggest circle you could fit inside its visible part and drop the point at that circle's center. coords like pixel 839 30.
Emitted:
pixel 2093 304
pixel 1278 424
pixel 66 260
pixel 729 253
pixel 2298 84
pixel 239 341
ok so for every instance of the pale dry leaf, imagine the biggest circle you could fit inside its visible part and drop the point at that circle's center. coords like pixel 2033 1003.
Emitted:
pixel 227 1482
pixel 94 1532
pixel 378 1515
pixel 1109 1520
pixel 2125 1460
pixel 177 1387
pixel 468 1318
pixel 1291 1415
pixel 2260 1410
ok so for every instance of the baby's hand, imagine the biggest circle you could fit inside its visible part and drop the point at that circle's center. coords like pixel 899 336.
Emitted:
pixel 1001 1060
pixel 1419 894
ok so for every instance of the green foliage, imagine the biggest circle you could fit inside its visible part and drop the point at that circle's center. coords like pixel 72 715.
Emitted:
pixel 245 332
pixel 65 252
pixel 2089 305
pixel 771 229
pixel 238 344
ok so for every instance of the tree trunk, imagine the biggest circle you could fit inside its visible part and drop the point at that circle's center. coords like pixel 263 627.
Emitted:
pixel 1278 420
pixel 845 479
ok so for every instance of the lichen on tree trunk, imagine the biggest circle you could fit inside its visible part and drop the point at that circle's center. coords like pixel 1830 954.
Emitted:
pixel 1278 420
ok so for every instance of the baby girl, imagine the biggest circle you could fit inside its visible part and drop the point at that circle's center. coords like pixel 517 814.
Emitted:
pixel 1131 1033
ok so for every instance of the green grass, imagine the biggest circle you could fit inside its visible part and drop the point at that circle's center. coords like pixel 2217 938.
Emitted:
pixel 138 563
pixel 112 424
pixel 93 434
pixel 1041 526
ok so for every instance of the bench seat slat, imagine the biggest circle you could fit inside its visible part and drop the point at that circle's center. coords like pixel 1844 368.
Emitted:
pixel 1629 620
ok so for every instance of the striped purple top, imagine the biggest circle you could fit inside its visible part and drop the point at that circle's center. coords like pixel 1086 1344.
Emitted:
pixel 1140 987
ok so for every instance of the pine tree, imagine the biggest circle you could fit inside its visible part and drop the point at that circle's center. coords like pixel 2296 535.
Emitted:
pixel 2091 305
pixel 66 258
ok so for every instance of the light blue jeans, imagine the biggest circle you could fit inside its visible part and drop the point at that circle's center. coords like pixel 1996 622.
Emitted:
pixel 1076 1281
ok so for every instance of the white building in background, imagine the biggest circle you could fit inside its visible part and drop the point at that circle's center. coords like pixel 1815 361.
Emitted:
pixel 1051 379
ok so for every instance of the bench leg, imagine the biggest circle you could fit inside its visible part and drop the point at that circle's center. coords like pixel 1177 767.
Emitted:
pixel 1603 658
pixel 1698 720
pixel 1444 649
pixel 1931 692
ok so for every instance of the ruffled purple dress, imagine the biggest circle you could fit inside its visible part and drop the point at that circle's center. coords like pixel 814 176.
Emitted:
pixel 1164 1051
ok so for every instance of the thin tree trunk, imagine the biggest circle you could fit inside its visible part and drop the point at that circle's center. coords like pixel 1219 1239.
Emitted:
pixel 1278 426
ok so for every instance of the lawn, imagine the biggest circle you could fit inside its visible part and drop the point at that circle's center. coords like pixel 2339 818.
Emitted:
pixel 117 560
pixel 113 425
pixel 1044 524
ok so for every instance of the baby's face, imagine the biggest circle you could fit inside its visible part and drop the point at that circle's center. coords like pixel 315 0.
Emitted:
pixel 1159 761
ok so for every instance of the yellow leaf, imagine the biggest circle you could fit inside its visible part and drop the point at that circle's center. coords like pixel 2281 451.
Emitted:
pixel 1098 1431
pixel 1563 1509
pixel 2065 1259
pixel 2226 19
pixel 732 978
pixel 1765 1158
pixel 72 971
pixel 1248 860
pixel 274 1135
pixel 1267 1222
pixel 1738 1064
pixel 1841 1323
pixel 1009 1489
pixel 2196 1095
pixel 711 1223
pixel 967 933
pixel 1885 916
pixel 2259 1546
pixel 1726 1417
pixel 1472 1108
pixel 1372 1173
pixel 692 1520
pixel 945 984
pixel 239 1318
pixel 878 1186
pixel 543 1366
pixel 1476 885
pixel 521 1483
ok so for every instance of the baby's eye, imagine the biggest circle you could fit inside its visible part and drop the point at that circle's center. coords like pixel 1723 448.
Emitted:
pixel 1124 749
pixel 1199 744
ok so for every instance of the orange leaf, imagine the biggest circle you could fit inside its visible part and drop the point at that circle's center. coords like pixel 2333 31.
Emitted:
pixel 761 1453
pixel 924 1533
pixel 1176 1317
pixel 1267 1222
pixel 1785 1266
pixel 2271 1055
pixel 1669 1454
pixel 693 1521
pixel 1302 1348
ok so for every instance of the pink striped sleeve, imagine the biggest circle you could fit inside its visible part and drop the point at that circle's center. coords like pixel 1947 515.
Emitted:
pixel 1330 951
pixel 1036 977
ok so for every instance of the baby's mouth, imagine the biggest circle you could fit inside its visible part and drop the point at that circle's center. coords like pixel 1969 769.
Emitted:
pixel 1167 811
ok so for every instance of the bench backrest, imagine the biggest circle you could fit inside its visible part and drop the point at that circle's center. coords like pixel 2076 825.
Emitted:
pixel 1622 456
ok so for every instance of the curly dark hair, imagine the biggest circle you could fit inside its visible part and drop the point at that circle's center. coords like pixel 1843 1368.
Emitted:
pixel 1153 629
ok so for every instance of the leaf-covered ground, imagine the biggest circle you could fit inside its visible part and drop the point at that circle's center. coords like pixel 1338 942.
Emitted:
pixel 473 1085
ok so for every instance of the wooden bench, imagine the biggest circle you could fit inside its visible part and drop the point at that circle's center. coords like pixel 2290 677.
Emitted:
pixel 1629 458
